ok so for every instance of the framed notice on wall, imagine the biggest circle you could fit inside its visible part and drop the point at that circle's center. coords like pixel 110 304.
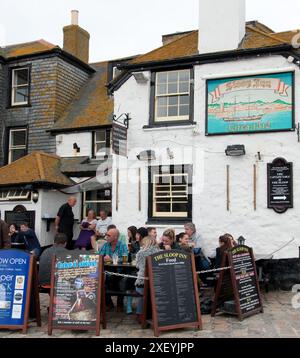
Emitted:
pixel 250 104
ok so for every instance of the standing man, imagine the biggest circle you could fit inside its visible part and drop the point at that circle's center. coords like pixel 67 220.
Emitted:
pixel 64 221
pixel 4 237
pixel 102 224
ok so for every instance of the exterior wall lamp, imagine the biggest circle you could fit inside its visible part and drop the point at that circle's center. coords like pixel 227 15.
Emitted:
pixel 235 150
pixel 241 241
pixel 146 155
pixel 35 196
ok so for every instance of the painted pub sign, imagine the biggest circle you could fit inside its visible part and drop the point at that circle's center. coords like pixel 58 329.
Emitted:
pixel 262 103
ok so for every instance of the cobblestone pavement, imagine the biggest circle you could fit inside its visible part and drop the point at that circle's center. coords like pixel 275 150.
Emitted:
pixel 278 320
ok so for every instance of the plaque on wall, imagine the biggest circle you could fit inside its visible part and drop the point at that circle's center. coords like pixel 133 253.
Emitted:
pixel 19 215
pixel 280 185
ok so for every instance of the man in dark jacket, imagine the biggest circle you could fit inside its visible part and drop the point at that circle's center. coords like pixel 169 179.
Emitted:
pixel 30 239
pixel 64 221
pixel 4 237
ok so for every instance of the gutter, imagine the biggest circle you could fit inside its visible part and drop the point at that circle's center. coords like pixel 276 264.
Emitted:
pixel 224 56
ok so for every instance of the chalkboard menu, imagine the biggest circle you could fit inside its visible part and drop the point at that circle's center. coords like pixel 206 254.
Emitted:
pixel 280 185
pixel 19 217
pixel 173 291
pixel 238 288
pixel 17 278
pixel 76 292
pixel 119 139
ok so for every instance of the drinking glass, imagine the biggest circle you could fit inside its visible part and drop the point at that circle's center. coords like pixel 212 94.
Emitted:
pixel 115 259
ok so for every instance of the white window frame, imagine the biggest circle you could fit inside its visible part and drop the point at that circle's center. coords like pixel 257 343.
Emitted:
pixel 17 147
pixel 169 95
pixel 101 154
pixel 11 195
pixel 170 198
pixel 14 87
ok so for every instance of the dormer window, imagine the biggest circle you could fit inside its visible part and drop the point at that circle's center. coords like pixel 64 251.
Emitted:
pixel 20 82
pixel 101 143
pixel 172 94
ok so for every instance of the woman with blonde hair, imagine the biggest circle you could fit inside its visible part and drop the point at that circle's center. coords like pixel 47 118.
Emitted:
pixel 168 240
pixel 148 247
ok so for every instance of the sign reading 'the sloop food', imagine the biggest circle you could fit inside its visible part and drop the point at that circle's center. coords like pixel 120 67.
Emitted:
pixel 280 185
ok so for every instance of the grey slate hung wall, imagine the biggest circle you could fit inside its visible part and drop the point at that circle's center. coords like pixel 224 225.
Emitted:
pixel 54 83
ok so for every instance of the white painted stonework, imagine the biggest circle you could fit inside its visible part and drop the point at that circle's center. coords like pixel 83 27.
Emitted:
pixel 64 144
pixel 221 25
pixel 264 230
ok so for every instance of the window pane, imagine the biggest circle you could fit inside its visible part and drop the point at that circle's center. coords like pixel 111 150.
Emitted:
pixel 100 136
pixel 173 101
pixel 163 207
pixel 172 88
pixel 95 195
pixel 184 110
pixel 17 154
pixel 21 77
pixel 161 89
pixel 100 148
pixel 18 138
pixel 173 76
pixel 162 77
pixel 162 101
pixel 184 100
pixel 97 207
pixel 184 87
pixel 178 207
pixel 184 76
pixel 21 94
pixel 162 112
pixel 173 111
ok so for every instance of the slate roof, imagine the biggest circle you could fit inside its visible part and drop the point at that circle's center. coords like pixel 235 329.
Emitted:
pixel 92 106
pixel 257 35
pixel 79 166
pixel 35 168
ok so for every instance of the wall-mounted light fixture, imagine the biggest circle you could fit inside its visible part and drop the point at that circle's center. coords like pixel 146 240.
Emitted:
pixel 146 155
pixel 241 241
pixel 35 196
pixel 140 77
pixel 75 147
pixel 235 150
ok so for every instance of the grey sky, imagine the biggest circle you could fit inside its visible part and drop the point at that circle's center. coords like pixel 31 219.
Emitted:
pixel 120 28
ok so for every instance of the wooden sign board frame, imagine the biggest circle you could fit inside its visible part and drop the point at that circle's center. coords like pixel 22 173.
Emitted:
pixel 149 295
pixel 32 288
pixel 227 260
pixel 100 303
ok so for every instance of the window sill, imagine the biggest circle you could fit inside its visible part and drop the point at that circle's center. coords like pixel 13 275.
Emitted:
pixel 175 125
pixel 165 221
pixel 19 106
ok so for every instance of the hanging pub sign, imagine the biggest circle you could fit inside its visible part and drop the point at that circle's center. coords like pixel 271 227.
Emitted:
pixel 171 292
pixel 18 283
pixel 249 104
pixel 119 135
pixel 238 291
pixel 77 293
pixel 280 185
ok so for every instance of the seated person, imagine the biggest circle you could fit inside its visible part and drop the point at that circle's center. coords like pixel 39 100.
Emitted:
pixel 97 243
pixel 183 241
pixel 59 247
pixel 14 235
pixel 168 241
pixel 225 243
pixel 30 239
pixel 113 246
pixel 87 228
pixel 135 244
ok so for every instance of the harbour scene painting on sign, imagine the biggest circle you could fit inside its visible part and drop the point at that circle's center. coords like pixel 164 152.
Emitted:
pixel 250 104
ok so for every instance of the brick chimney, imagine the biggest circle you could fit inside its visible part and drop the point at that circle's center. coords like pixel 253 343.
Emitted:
pixel 222 25
pixel 76 39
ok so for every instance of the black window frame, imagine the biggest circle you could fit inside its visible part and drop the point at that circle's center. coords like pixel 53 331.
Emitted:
pixel 7 146
pixel 10 105
pixel 188 169
pixel 152 122
pixel 108 140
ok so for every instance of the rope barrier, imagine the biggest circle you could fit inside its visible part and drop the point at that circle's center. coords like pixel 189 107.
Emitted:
pixel 147 278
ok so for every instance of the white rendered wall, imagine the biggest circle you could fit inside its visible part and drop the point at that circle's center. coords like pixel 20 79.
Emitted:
pixel 263 229
pixel 64 144
pixel 221 25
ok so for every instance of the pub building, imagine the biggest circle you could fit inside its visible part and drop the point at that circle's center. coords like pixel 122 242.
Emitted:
pixel 203 129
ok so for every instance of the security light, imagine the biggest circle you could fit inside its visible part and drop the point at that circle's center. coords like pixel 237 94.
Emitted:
pixel 235 150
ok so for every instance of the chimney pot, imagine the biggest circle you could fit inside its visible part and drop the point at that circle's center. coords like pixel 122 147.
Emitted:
pixel 74 17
